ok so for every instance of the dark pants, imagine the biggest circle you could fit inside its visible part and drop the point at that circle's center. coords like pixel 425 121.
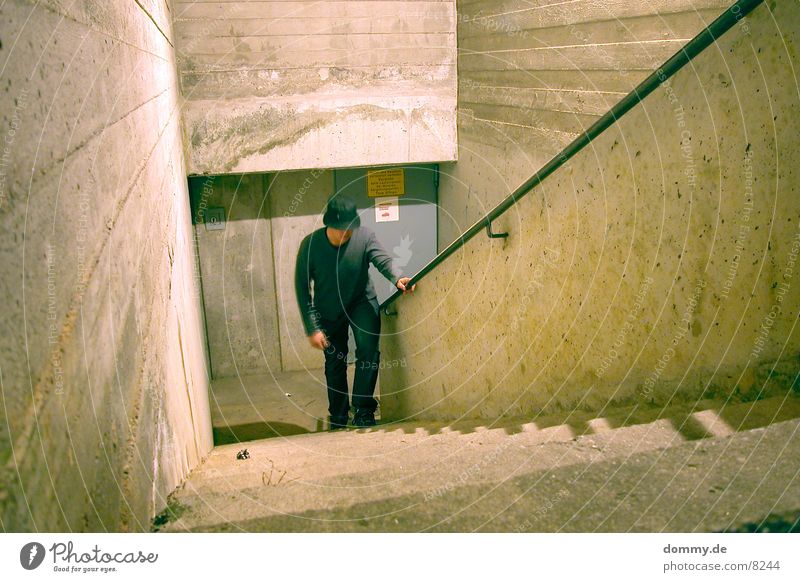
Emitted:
pixel 365 321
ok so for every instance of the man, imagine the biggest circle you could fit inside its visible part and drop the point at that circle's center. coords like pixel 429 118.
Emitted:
pixel 336 259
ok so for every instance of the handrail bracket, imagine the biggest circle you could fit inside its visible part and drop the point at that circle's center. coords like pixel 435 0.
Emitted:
pixel 491 234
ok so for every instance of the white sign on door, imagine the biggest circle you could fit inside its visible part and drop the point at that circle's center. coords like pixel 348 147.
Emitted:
pixel 387 209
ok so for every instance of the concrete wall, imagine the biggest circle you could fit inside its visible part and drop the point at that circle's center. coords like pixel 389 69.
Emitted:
pixel 290 85
pixel 660 263
pixel 237 272
pixel 533 75
pixel 104 392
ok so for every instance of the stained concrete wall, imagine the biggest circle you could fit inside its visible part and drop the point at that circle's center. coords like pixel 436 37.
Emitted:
pixel 104 390
pixel 660 263
pixel 533 75
pixel 237 273
pixel 291 85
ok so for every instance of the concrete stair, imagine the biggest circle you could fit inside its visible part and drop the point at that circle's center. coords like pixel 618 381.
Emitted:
pixel 706 466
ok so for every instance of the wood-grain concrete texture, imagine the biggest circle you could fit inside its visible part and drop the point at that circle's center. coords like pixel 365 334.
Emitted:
pixel 102 364
pixel 532 75
pixel 660 262
pixel 277 85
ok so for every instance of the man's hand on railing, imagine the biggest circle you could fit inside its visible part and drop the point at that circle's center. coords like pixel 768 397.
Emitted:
pixel 318 340
pixel 402 282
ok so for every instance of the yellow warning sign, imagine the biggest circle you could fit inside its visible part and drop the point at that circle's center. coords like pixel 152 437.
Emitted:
pixel 382 183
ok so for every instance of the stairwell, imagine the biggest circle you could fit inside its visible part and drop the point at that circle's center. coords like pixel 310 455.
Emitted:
pixel 702 466
pixel 517 412
pixel 626 359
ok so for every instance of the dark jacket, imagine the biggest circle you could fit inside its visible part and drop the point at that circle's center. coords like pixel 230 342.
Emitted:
pixel 340 275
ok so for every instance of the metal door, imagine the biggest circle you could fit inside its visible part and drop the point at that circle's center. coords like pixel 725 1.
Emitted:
pixel 411 239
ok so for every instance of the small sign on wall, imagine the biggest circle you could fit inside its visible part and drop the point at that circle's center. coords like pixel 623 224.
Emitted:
pixel 214 218
pixel 383 183
pixel 387 209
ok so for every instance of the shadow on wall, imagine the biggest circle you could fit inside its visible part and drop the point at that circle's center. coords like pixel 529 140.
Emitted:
pixel 234 197
pixel 232 231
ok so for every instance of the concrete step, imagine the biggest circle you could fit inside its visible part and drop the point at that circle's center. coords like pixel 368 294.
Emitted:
pixel 423 473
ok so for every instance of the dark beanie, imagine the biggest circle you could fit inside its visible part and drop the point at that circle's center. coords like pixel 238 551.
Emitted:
pixel 341 213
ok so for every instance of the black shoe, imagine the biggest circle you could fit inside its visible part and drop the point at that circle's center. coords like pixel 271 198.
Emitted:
pixel 336 422
pixel 363 418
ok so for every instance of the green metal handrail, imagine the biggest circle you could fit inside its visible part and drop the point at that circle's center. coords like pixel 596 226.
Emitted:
pixel 675 63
